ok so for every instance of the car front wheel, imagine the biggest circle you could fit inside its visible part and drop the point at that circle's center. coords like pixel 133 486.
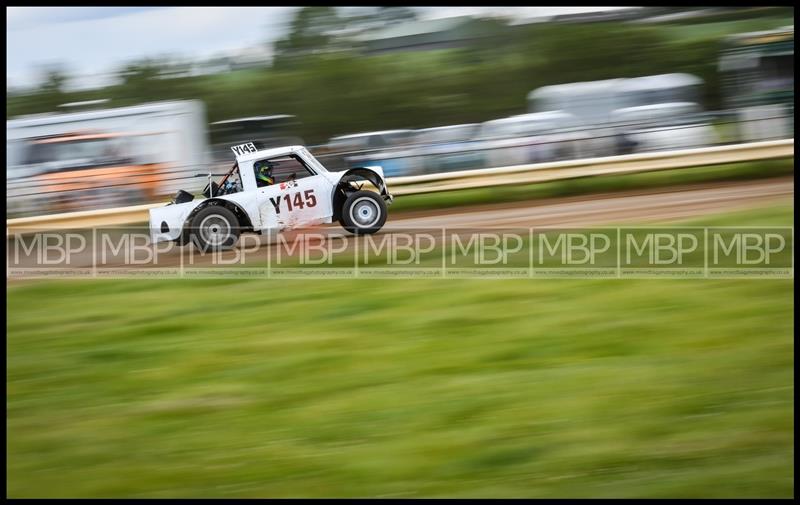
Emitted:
pixel 363 212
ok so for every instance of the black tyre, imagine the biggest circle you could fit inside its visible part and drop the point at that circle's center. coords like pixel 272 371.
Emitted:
pixel 214 228
pixel 363 212
pixel 184 238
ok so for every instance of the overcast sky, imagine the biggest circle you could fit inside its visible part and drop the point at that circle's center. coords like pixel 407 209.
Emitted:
pixel 92 41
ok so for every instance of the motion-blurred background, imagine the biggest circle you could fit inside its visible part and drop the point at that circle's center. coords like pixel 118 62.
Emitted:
pixel 245 386
pixel 133 102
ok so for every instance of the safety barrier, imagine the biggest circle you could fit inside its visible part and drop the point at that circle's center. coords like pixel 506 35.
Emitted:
pixel 631 163
pixel 467 179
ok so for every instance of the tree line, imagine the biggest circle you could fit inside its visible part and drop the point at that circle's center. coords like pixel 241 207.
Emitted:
pixel 334 88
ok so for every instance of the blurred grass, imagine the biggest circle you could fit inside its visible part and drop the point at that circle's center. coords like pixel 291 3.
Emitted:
pixel 559 388
pixel 587 185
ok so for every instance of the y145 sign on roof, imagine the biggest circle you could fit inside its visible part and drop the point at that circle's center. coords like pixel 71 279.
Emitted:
pixel 244 149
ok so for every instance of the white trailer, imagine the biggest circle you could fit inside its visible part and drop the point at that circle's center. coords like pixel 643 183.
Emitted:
pixel 172 134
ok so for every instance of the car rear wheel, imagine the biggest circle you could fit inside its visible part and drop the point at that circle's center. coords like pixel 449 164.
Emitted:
pixel 363 212
pixel 215 228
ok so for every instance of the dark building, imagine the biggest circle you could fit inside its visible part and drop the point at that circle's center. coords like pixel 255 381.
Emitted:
pixel 447 33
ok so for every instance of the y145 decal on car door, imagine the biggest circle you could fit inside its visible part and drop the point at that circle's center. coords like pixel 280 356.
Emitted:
pixel 306 201
pixel 296 200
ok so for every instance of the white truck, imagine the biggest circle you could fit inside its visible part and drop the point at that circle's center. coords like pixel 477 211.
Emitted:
pixel 63 158
pixel 272 190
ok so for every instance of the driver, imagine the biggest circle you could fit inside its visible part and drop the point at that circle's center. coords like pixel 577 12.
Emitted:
pixel 263 171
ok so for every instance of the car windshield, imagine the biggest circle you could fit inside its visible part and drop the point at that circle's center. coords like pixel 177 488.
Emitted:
pixel 312 161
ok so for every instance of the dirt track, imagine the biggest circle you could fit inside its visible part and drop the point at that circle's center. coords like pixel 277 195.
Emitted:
pixel 641 206
pixel 656 204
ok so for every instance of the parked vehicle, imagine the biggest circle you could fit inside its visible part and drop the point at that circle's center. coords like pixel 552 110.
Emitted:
pixel 530 138
pixel 85 169
pixel 448 148
pixel 595 106
pixel 661 127
pixel 380 147
pixel 758 76
pixel 43 151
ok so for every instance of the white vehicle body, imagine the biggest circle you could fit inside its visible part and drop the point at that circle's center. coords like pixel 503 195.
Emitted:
pixel 269 208
pixel 665 126
pixel 530 138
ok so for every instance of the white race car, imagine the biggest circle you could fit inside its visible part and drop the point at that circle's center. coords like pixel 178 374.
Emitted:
pixel 272 189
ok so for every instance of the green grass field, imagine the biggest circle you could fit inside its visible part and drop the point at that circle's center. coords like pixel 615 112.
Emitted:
pixel 448 388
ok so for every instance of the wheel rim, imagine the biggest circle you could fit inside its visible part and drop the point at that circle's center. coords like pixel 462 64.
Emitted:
pixel 215 230
pixel 365 212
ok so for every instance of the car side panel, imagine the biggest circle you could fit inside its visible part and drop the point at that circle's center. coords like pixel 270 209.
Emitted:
pixel 248 201
pixel 288 205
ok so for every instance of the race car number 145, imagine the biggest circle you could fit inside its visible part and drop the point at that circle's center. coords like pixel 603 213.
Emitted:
pixel 244 149
pixel 296 200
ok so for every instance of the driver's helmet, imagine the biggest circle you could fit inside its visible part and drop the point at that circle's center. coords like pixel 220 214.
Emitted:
pixel 263 171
